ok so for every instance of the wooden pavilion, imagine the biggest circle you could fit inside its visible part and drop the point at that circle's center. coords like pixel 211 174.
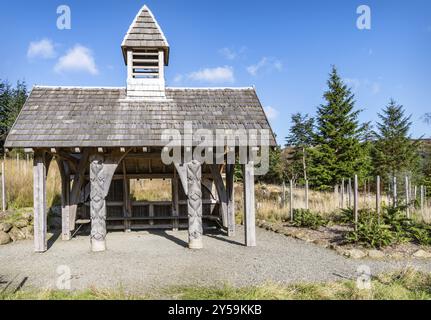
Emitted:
pixel 102 138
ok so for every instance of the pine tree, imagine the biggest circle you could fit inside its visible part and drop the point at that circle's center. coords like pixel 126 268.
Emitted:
pixel 11 102
pixel 395 153
pixel 338 152
pixel 299 140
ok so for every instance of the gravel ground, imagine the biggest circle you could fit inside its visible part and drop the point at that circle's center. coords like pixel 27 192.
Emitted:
pixel 140 261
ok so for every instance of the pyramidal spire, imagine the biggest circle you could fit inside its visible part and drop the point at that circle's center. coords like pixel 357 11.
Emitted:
pixel 146 53
pixel 145 32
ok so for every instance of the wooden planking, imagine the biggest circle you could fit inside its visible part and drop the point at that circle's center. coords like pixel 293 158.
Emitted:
pixel 65 198
pixel 221 191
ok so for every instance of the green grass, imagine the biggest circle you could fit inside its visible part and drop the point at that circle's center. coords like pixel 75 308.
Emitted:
pixel 402 285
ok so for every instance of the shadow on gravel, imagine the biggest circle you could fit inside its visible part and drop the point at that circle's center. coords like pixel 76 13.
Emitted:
pixel 164 234
pixel 5 285
pixel 222 236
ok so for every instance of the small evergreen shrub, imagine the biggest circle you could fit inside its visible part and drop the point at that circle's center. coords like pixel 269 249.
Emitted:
pixel 308 219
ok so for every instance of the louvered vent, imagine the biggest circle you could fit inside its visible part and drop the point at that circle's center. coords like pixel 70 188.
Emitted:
pixel 146 64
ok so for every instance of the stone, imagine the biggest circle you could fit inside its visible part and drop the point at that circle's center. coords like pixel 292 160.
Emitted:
pixel 376 254
pixel 28 232
pixel 355 254
pixel 20 223
pixel 422 254
pixel 5 226
pixel 28 216
pixel 4 238
pixel 16 234
pixel 320 242
pixel 396 256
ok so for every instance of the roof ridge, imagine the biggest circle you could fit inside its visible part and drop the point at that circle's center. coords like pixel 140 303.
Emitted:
pixel 211 88
pixel 77 87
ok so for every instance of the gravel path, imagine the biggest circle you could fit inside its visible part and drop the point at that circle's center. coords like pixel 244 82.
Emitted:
pixel 140 261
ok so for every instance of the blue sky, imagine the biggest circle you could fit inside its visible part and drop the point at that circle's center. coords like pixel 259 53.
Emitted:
pixel 284 48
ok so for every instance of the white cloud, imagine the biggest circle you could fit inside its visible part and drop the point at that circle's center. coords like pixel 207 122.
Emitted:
pixel 271 112
pixel 214 75
pixel 178 78
pixel 41 49
pixel 77 59
pixel 228 53
pixel 265 64
pixel 355 84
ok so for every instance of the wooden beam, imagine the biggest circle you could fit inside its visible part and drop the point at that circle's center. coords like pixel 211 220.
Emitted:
pixel 175 199
pixel 28 150
pixel 249 205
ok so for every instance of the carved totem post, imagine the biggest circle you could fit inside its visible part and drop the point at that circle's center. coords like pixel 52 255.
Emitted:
pixel 194 203
pixel 97 203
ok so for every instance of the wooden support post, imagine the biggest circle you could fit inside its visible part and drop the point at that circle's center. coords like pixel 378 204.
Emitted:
pixel 394 190
pixel 64 170
pixel 97 203
pixel 221 192
pixel 378 201
pixel 355 201
pixel 422 200
pixel 194 204
pixel 306 195
pixel 249 205
pixel 40 168
pixel 126 199
pixel 291 200
pixel 407 192
pixel 175 199
pixel 230 174
pixel 3 187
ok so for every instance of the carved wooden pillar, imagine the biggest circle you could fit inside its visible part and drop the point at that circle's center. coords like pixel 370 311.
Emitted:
pixel 249 205
pixel 97 203
pixel 40 167
pixel 194 204
pixel 230 172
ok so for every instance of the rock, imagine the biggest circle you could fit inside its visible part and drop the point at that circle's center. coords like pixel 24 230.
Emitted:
pixel 320 242
pixel 5 226
pixel 397 256
pixel 28 232
pixel 20 223
pixel 4 238
pixel 422 254
pixel 376 254
pixel 28 216
pixel 355 254
pixel 16 234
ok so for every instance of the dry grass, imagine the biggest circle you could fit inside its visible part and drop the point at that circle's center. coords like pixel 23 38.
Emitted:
pixel 407 284
pixel 19 188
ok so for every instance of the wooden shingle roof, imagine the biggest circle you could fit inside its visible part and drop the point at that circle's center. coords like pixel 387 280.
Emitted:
pixel 104 117
pixel 144 33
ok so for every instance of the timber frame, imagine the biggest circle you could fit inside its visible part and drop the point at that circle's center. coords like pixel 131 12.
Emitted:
pixel 200 193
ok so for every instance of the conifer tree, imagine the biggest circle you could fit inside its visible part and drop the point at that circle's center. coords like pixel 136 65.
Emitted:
pixel 395 153
pixel 338 152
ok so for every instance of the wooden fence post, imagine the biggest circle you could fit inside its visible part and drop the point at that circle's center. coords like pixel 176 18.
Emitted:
pixel 350 192
pixel 355 201
pixel 291 200
pixel 378 198
pixel 342 193
pixel 422 200
pixel 394 190
pixel 407 197
pixel 3 187
pixel 306 194
pixel 283 195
